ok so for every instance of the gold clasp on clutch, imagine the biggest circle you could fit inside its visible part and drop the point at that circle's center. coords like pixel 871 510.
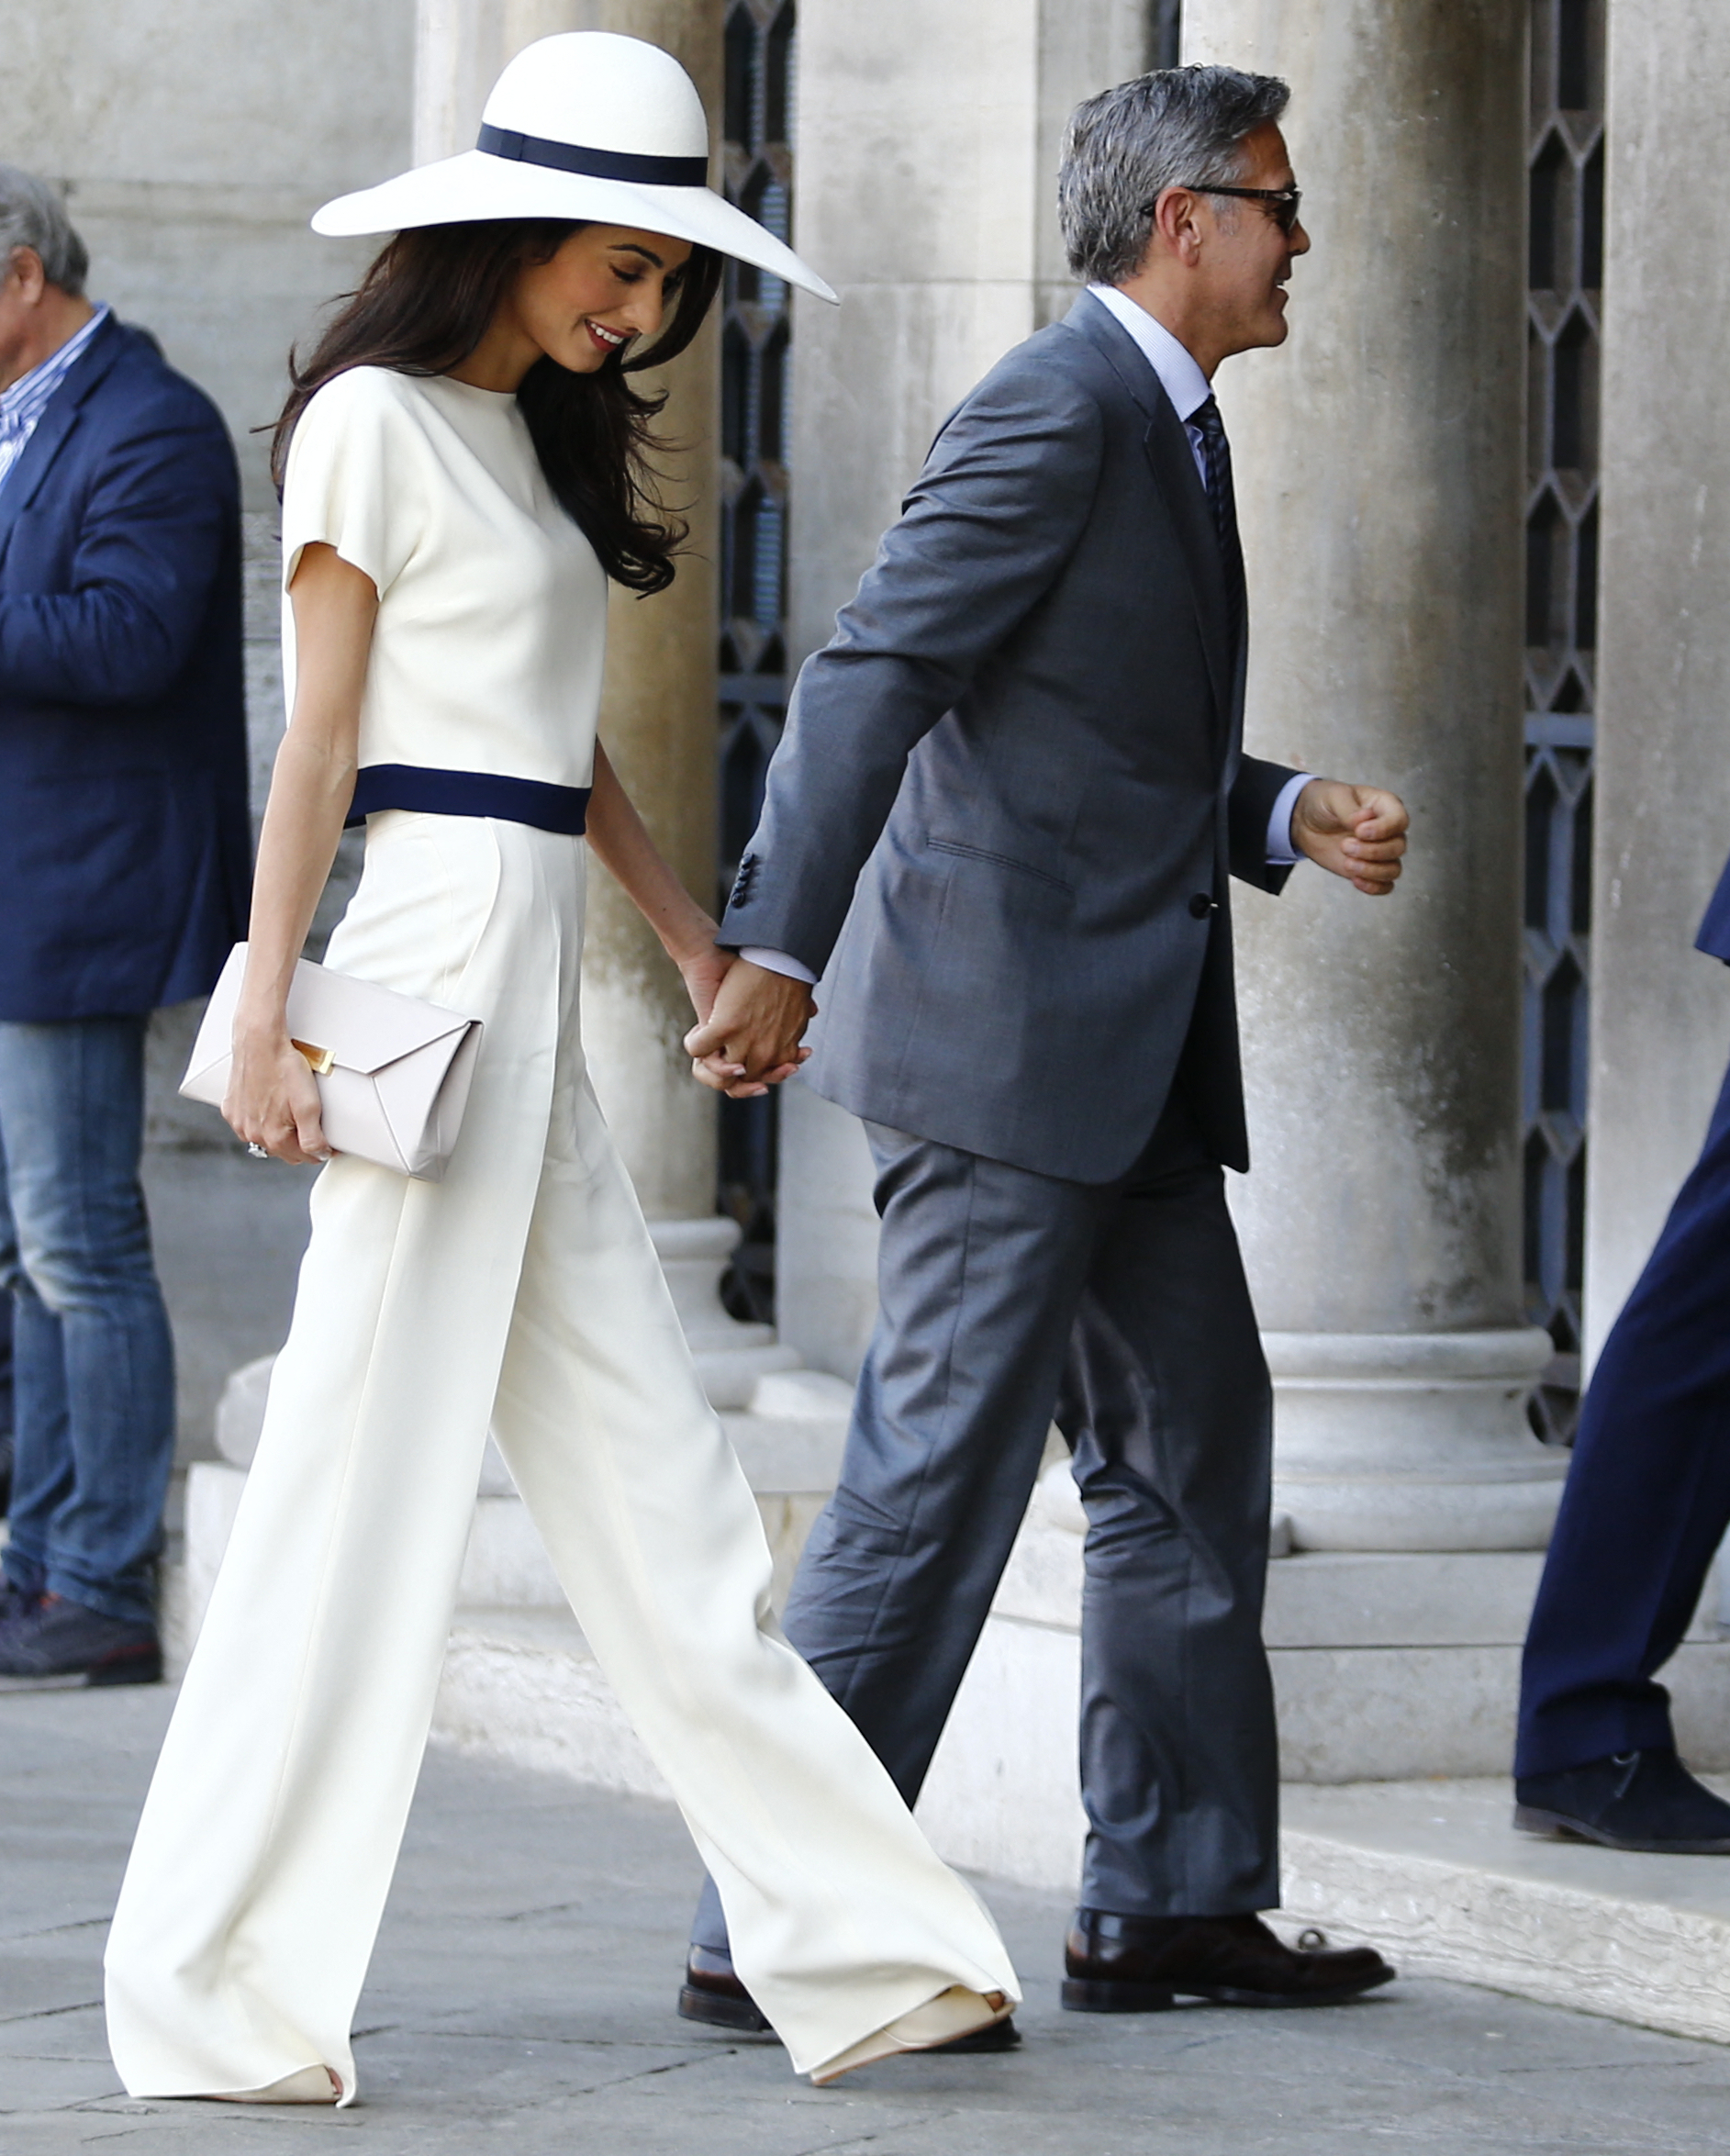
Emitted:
pixel 322 1061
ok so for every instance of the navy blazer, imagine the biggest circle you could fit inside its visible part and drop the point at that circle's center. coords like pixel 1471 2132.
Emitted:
pixel 1010 790
pixel 1714 930
pixel 125 845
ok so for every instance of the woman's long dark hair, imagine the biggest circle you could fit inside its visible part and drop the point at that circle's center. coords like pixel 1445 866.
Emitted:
pixel 425 304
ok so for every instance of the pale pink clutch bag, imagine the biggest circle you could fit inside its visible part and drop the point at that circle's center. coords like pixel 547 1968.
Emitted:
pixel 393 1073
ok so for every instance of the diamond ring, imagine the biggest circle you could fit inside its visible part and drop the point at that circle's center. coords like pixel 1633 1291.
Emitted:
pixel 258 1152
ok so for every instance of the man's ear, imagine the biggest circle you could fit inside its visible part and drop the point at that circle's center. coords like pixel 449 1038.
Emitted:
pixel 25 271
pixel 1175 225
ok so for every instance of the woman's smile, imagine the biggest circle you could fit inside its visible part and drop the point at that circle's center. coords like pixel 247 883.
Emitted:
pixel 606 339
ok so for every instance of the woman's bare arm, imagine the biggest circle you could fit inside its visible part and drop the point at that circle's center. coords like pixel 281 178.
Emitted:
pixel 272 1099
pixel 617 836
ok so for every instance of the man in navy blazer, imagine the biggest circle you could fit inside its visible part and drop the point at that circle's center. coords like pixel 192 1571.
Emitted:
pixel 124 864
pixel 1647 1503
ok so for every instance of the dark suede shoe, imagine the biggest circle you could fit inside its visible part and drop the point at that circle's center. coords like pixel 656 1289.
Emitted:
pixel 1644 1800
pixel 712 1993
pixel 15 1602
pixel 61 1643
pixel 1142 1964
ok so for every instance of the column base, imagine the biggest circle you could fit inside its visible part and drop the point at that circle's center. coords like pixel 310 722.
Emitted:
pixel 731 1355
pixel 1411 1441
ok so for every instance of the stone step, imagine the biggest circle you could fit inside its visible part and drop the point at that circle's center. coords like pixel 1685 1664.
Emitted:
pixel 789 1442
pixel 1435 1875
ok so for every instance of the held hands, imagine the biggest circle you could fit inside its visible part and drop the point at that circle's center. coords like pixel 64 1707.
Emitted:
pixel 747 1037
pixel 1356 831
pixel 272 1101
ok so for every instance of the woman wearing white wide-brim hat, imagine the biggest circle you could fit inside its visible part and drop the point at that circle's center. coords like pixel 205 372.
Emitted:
pixel 462 459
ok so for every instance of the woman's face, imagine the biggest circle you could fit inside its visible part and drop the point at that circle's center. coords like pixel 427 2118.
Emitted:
pixel 606 287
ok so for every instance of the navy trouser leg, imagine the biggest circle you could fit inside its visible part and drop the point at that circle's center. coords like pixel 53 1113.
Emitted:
pixel 1648 1498
pixel 94 1379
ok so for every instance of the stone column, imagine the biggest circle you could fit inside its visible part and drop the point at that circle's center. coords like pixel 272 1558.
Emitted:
pixel 934 217
pixel 658 710
pixel 1379 477
pixel 1660 1011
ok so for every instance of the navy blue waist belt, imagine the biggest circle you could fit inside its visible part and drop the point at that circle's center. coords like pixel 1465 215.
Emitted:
pixel 469 793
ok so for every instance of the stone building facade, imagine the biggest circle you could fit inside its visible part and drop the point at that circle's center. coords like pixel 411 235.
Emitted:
pixel 1481 571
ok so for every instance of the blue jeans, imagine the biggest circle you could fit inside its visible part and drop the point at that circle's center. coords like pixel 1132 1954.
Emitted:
pixel 94 1365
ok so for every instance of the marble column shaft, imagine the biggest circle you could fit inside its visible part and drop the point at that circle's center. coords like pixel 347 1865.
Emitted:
pixel 658 710
pixel 933 214
pixel 1378 463
pixel 1660 1011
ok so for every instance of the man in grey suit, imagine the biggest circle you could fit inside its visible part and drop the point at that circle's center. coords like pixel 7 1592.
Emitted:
pixel 1002 827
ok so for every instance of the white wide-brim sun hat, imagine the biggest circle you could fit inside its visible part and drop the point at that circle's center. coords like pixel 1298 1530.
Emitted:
pixel 587 126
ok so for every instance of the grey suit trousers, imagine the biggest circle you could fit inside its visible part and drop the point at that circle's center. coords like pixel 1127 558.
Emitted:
pixel 1121 1308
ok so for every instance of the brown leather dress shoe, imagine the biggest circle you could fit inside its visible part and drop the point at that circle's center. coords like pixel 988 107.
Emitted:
pixel 1143 1964
pixel 712 1993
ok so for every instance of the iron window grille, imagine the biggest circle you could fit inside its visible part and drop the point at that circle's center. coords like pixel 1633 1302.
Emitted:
pixel 761 83
pixel 1566 183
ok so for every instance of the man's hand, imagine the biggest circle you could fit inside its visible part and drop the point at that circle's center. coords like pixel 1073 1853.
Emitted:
pixel 751 1039
pixel 1356 831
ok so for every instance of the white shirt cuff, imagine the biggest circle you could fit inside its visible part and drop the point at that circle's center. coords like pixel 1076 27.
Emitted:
pixel 778 962
pixel 1281 852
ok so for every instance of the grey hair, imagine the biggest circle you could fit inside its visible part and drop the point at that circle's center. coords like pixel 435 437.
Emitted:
pixel 33 214
pixel 1180 125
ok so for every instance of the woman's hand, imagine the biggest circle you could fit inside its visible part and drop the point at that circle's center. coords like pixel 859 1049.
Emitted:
pixel 750 1040
pixel 702 971
pixel 272 1099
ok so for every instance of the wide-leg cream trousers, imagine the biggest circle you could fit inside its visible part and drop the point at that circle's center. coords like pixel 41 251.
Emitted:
pixel 524 1292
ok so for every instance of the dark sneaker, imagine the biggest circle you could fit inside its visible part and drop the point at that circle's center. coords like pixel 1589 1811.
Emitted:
pixel 1644 1800
pixel 15 1602
pixel 62 1643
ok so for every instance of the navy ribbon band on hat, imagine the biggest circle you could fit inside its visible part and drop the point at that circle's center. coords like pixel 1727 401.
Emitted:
pixel 563 809
pixel 598 164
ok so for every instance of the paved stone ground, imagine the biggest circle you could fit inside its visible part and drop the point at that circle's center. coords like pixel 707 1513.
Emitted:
pixel 522 2001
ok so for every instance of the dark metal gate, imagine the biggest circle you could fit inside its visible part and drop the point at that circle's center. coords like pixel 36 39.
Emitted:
pixel 760 89
pixel 1566 274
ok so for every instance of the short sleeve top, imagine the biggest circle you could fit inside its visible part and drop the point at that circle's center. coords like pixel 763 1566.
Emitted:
pixel 491 632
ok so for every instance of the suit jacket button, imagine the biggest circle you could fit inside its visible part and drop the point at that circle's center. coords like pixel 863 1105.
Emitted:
pixel 1201 905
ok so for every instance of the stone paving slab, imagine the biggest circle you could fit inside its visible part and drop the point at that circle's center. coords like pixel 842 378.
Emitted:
pixel 522 2001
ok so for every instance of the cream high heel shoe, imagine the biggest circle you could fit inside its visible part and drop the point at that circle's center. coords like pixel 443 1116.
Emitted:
pixel 954 2013
pixel 311 2084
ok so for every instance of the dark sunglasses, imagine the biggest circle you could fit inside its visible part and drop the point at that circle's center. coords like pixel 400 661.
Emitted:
pixel 1282 203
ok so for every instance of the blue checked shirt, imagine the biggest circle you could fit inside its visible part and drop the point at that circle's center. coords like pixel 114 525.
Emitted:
pixel 23 405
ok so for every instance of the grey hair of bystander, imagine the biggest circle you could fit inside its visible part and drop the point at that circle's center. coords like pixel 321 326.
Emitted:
pixel 33 214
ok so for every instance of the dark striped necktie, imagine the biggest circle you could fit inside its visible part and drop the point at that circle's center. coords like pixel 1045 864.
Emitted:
pixel 1222 501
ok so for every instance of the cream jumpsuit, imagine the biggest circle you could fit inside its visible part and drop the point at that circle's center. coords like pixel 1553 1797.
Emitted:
pixel 522 1291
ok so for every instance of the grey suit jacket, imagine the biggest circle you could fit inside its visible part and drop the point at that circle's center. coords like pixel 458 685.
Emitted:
pixel 1002 817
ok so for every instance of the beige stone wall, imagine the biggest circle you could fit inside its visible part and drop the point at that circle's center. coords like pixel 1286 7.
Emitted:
pixel 195 142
